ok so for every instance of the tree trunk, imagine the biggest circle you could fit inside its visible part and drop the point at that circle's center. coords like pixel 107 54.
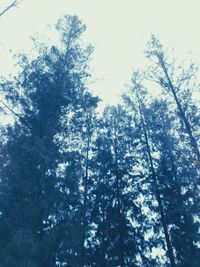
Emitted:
pixel 84 212
pixel 120 226
pixel 181 111
pixel 157 192
pixel 103 245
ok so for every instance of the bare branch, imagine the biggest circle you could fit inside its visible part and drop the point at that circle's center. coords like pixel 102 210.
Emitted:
pixel 13 112
pixel 13 4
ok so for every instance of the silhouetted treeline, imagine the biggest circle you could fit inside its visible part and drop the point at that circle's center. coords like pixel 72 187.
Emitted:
pixel 83 189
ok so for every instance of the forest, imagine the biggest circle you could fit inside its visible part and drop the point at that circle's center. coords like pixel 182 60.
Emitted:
pixel 83 188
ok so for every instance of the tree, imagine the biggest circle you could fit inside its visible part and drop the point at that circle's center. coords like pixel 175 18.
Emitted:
pixel 176 181
pixel 49 92
pixel 119 223
pixel 175 81
pixel 175 176
pixel 137 88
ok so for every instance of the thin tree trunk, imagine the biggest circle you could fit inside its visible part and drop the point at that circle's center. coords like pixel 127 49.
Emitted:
pixel 120 226
pixel 103 249
pixel 84 213
pixel 181 111
pixel 157 192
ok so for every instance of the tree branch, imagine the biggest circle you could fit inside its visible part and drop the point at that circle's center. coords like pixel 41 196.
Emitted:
pixel 13 4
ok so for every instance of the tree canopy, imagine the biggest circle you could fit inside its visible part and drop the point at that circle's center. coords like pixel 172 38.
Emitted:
pixel 79 188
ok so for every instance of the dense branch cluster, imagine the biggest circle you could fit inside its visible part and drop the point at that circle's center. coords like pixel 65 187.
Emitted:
pixel 83 189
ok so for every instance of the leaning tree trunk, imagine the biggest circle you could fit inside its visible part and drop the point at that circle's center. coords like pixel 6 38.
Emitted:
pixel 157 191
pixel 180 109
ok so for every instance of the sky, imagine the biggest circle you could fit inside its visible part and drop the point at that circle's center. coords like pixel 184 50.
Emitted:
pixel 118 30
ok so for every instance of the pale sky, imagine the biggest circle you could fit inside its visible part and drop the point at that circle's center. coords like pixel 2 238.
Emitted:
pixel 118 29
